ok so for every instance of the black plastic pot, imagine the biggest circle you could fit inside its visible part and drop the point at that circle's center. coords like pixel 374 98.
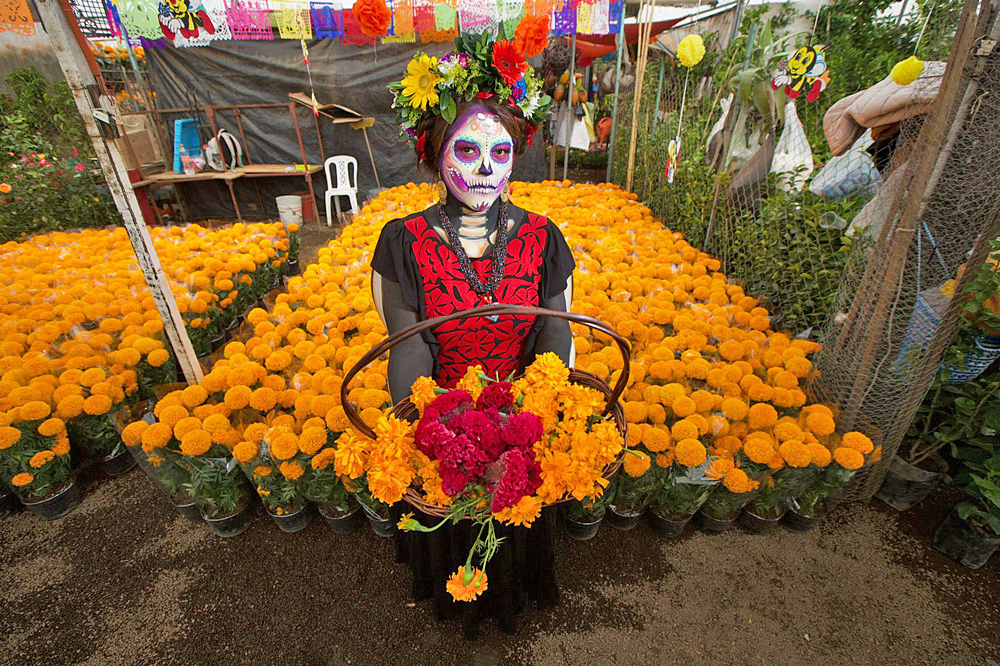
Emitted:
pixel 117 463
pixel 667 525
pixel 292 268
pixel 580 530
pixel 963 543
pixel 796 521
pixel 233 524
pixel 622 520
pixel 218 341
pixel 296 521
pixel 187 508
pixel 9 503
pixel 713 524
pixel 343 522
pixel 905 486
pixel 384 527
pixel 758 524
pixel 57 505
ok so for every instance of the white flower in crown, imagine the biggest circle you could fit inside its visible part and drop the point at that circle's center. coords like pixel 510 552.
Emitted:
pixel 448 65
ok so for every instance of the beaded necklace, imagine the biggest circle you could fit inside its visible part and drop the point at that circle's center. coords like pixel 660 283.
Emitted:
pixel 484 289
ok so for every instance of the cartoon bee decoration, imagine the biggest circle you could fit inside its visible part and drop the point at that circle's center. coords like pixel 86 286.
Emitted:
pixel 176 16
pixel 803 70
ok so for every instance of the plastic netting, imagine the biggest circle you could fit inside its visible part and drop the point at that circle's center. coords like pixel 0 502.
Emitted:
pixel 847 232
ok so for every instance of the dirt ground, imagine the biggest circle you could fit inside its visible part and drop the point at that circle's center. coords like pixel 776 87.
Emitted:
pixel 126 580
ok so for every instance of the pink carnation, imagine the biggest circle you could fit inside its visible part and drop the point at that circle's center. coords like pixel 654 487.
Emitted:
pixel 520 478
pixel 522 431
pixel 496 396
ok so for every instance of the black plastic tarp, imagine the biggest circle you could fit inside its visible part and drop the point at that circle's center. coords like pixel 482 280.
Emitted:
pixel 259 72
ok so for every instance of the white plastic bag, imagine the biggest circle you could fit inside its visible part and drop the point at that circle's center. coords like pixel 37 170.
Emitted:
pixel 793 160
pixel 848 174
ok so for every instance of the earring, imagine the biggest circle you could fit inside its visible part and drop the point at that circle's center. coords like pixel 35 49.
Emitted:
pixel 442 191
pixel 505 193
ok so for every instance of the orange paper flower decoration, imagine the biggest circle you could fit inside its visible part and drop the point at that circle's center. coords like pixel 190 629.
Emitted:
pixel 373 17
pixel 532 35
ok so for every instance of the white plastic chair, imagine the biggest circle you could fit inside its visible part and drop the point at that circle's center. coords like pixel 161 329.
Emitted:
pixel 347 184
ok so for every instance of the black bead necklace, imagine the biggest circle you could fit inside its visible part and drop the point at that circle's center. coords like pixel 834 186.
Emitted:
pixel 485 290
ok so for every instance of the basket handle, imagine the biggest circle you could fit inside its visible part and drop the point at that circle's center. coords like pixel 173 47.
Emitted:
pixel 484 311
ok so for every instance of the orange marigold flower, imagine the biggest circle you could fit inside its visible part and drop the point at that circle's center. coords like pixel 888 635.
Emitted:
pixel 636 463
pixel 734 409
pixel 51 427
pixel 22 479
pixel 849 458
pixel 858 441
pixel 196 443
pixel 762 416
pixel 819 423
pixel 156 436
pixel 821 455
pixel 9 437
pixel 758 450
pixel 737 482
pixel 41 458
pixel 683 406
pixel 238 396
pixel 795 453
pixel 193 396
pixel 312 440
pixel 690 452
pixel 423 393
pixel 245 451
pixel 719 468
pixel 263 399
pixel 466 584
pixel 523 513
pixel 284 446
pixel 263 470
pixel 96 405
pixel 656 439
pixel 132 433
pixel 35 410
pixel 323 459
pixel 172 414
pixel 291 470
pixel 158 357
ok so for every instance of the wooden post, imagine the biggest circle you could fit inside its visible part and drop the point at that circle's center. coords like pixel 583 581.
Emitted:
pixel 622 45
pixel 645 31
pixel 569 102
pixel 83 84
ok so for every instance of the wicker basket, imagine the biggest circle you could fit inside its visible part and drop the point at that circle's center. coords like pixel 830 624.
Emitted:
pixel 406 409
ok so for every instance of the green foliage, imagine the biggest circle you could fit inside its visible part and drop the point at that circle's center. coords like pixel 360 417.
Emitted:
pixel 980 479
pixel 47 479
pixel 219 488
pixel 44 110
pixel 580 159
pixel 628 493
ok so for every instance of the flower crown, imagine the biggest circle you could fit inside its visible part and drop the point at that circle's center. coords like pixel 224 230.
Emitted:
pixel 480 67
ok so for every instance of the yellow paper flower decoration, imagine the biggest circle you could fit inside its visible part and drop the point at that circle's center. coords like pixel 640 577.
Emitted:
pixel 691 50
pixel 907 71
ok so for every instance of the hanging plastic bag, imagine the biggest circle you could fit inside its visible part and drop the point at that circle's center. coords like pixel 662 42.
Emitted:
pixel 848 174
pixel 726 104
pixel 793 160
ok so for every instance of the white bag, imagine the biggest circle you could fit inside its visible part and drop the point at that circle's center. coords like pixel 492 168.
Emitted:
pixel 793 160
pixel 848 174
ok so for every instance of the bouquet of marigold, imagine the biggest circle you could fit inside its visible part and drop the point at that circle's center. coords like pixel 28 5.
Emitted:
pixel 493 450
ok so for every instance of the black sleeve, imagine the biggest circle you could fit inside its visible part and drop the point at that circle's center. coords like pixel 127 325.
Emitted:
pixel 411 358
pixel 557 264
pixel 393 259
pixel 557 269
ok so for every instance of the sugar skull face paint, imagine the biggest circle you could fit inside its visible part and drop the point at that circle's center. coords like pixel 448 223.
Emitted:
pixel 477 159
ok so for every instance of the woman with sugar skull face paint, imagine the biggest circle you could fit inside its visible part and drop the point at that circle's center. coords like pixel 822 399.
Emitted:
pixel 473 248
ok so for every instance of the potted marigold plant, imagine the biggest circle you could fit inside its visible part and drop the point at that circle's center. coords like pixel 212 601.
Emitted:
pixel 628 494
pixel 726 500
pixel 275 464
pixel 327 483
pixel 93 408
pixel 35 459
pixel 831 473
pixel 683 486
pixel 582 518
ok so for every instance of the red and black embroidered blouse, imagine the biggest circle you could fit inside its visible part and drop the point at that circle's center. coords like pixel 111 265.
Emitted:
pixel 539 263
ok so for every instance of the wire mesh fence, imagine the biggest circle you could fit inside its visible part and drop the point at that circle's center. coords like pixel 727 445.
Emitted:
pixel 845 212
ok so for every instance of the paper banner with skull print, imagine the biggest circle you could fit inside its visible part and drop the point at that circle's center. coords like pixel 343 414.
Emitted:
pixel 193 22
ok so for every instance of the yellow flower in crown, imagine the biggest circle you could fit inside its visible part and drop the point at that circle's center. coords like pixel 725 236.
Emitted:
pixel 420 82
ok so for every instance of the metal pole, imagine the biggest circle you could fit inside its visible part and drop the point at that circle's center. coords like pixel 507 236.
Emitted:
pixel 85 89
pixel 569 101
pixel 618 80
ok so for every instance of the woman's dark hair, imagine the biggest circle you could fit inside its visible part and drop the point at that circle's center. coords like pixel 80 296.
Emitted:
pixel 435 130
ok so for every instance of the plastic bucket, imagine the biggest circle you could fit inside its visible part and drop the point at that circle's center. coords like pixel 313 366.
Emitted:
pixel 289 209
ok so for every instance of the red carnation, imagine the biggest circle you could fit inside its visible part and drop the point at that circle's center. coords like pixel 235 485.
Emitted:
pixel 508 61
pixel 522 431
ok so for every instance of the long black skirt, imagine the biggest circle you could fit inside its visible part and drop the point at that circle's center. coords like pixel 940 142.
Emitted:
pixel 523 570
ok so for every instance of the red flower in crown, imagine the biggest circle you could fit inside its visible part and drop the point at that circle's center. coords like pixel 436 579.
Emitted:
pixel 508 61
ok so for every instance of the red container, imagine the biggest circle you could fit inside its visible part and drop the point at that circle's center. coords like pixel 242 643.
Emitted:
pixel 307 206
